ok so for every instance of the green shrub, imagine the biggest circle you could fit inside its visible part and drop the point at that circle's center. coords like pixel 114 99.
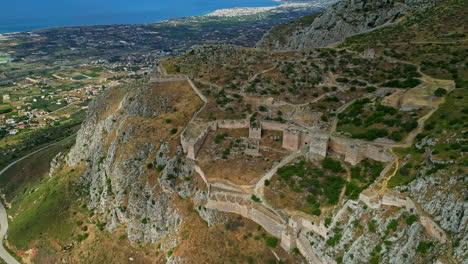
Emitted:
pixel 371 226
pixel 411 219
pixel 396 136
pixel 393 225
pixel 440 92
pixel 331 164
pixel 255 198
pixel 271 242
pixel 404 171
pixel 410 125
pixel 423 247
pixel 220 138
pixel 374 260
pixel 316 211
pixel 336 238
pixel 82 237
pixel 355 173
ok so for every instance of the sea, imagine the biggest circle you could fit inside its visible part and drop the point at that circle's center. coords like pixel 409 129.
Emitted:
pixel 27 15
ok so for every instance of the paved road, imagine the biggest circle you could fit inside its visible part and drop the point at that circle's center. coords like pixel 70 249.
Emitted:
pixel 3 229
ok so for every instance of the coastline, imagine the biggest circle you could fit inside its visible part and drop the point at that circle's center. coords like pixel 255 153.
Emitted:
pixel 198 14
pixel 281 7
pixel 248 11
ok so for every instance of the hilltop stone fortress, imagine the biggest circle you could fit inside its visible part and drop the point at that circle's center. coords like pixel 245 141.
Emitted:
pixel 314 143
pixel 292 229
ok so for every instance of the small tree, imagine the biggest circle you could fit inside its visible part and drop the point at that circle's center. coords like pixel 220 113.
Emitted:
pixel 440 92
pixel 271 242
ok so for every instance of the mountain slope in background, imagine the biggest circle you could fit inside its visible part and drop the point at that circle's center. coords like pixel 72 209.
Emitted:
pixel 343 19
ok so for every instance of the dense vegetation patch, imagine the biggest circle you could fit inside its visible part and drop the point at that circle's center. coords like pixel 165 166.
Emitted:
pixel 362 175
pixel 305 187
pixel 369 120
pixel 43 212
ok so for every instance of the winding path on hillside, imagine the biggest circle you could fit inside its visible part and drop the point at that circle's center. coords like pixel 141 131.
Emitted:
pixel 9 259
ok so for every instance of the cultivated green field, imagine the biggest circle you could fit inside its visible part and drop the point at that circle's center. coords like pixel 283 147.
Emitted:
pixel 5 59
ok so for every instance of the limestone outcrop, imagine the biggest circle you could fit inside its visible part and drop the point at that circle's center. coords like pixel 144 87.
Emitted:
pixel 113 177
pixel 341 20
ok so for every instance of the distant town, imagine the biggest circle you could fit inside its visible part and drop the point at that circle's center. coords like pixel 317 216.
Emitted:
pixel 48 77
pixel 38 101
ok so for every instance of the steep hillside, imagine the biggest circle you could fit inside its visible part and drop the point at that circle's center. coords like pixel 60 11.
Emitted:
pixel 348 154
pixel 343 19
pixel 125 192
pixel 435 39
pixel 393 87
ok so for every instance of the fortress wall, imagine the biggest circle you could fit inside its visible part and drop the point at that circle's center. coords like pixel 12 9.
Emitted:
pixel 184 141
pixel 306 138
pixel 355 151
pixel 199 93
pixel 223 186
pixel 318 145
pixel 255 133
pixel 167 78
pixel 253 152
pixel 233 124
pixel 202 175
pixel 371 199
pixel 352 155
pixel 377 153
pixel 228 207
pixel 314 228
pixel 271 125
pixel 270 225
pixel 346 148
pixel 191 151
pixel 307 251
pixel 194 145
pixel 394 200
pixel 288 239
pixel 291 139
pixel 338 145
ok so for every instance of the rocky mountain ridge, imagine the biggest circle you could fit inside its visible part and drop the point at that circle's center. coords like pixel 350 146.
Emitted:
pixel 341 20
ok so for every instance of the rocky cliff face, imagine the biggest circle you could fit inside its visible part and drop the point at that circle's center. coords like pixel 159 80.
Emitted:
pixel 343 19
pixel 442 196
pixel 135 170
